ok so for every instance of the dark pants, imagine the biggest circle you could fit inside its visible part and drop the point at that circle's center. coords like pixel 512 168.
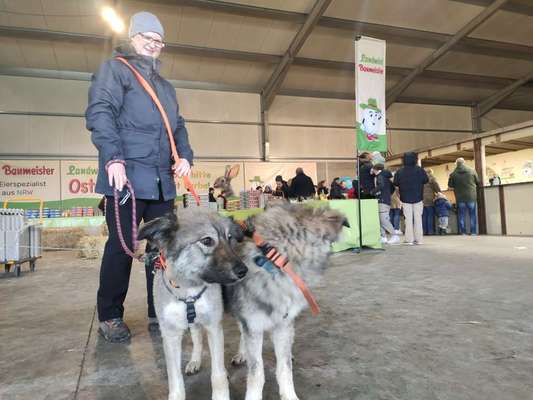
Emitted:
pixel 116 265
pixel 395 217
pixel 428 220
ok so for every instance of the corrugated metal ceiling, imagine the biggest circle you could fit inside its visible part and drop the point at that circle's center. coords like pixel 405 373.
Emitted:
pixel 254 34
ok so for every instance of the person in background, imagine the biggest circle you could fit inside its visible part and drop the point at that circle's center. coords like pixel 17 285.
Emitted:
pixel 259 189
pixel 133 148
pixel 366 178
pixel 395 211
pixel 495 181
pixel 212 195
pixel 382 192
pixel 442 207
pixel 336 189
pixel 352 193
pixel 268 189
pixel 321 190
pixel 410 180
pixel 302 186
pixel 279 192
pixel 284 186
pixel 464 181
pixel 430 191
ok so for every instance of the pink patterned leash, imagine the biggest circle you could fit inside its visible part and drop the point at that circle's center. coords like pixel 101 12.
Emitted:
pixel 134 240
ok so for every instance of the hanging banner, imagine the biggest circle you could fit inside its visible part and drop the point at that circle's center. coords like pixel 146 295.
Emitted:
pixel 78 183
pixel 370 94
pixel 222 176
pixel 30 179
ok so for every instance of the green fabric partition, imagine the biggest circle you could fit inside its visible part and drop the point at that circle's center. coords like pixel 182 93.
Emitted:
pixel 241 215
pixel 350 236
pixel 73 222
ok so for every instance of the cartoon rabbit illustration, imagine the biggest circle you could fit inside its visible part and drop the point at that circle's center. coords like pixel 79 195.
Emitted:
pixel 224 182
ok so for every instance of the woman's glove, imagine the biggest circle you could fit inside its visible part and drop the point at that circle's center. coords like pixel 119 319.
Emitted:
pixel 182 168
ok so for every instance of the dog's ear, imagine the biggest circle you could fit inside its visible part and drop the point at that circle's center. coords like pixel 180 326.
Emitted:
pixel 334 221
pixel 160 231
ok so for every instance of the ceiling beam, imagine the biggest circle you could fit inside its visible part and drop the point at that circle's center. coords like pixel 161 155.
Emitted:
pixel 397 90
pixel 444 77
pixel 278 76
pixel 492 101
pixel 512 6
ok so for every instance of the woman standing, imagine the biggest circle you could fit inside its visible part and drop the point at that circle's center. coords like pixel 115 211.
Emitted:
pixel 133 146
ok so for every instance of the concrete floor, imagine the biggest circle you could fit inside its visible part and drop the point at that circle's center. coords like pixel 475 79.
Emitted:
pixel 452 319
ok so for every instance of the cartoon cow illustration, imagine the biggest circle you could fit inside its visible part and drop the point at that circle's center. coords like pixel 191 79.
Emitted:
pixel 370 125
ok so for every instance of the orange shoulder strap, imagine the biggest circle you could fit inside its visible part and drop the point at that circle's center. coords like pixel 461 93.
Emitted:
pixel 186 181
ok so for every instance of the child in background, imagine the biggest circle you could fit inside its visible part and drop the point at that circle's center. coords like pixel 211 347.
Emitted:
pixel 382 191
pixel 443 207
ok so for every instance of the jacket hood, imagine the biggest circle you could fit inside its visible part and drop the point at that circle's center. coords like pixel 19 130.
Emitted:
pixel 410 159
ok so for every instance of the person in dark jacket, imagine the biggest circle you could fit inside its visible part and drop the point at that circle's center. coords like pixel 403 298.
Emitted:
pixel 383 193
pixel 335 192
pixel 464 181
pixel 301 186
pixel 284 187
pixel 411 179
pixel 442 208
pixel 366 178
pixel 133 146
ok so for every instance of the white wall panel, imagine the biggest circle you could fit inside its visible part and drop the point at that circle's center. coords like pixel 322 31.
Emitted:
pixel 224 141
pixel 518 209
pixel 492 209
pixel 304 142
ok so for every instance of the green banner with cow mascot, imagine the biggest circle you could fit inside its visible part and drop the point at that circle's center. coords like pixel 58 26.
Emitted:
pixel 370 94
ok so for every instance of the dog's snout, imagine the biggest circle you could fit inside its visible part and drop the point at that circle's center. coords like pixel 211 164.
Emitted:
pixel 240 270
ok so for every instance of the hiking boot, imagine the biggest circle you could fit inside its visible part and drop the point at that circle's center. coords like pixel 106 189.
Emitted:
pixel 114 330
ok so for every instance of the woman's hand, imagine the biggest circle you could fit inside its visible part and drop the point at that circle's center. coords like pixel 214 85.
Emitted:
pixel 116 173
pixel 182 168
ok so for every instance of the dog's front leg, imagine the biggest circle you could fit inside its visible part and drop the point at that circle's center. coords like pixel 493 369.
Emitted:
pixel 254 358
pixel 193 366
pixel 172 345
pixel 219 376
pixel 282 338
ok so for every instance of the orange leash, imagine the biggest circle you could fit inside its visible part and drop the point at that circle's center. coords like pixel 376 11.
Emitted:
pixel 284 265
pixel 186 181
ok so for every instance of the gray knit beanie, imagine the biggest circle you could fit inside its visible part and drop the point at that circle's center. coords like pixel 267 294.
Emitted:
pixel 145 22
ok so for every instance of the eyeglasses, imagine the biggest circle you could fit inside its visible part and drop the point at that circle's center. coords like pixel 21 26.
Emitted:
pixel 157 43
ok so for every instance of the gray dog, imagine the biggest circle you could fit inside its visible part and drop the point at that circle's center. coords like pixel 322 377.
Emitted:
pixel 199 256
pixel 267 299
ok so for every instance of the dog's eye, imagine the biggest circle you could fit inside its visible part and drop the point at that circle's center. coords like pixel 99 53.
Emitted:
pixel 207 241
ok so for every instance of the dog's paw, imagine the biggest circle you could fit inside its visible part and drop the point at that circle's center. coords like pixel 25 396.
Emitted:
pixel 193 367
pixel 238 359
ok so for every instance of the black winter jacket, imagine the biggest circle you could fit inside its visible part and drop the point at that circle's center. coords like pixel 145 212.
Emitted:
pixel 410 179
pixel 366 178
pixel 126 125
pixel 384 187
pixel 302 186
